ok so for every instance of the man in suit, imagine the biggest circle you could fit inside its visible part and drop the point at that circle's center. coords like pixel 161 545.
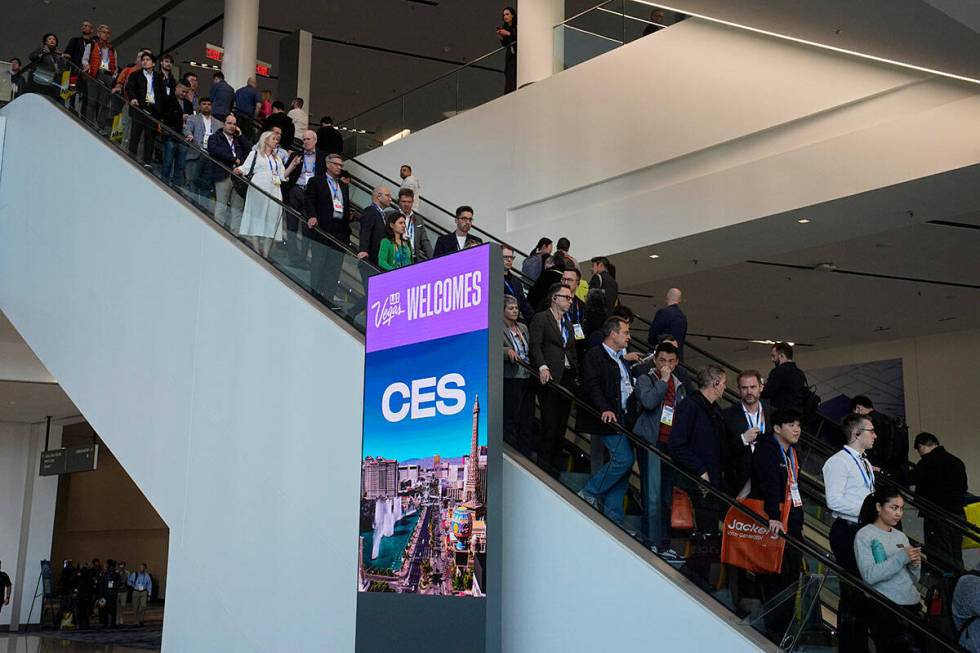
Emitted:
pixel 313 164
pixel 695 444
pixel 745 423
pixel 553 354
pixel 607 387
pixel 147 93
pixel 371 231
pixel 415 232
pixel 603 279
pixel 459 239
pixel 513 285
pixel 230 149
pixel 326 214
pixel 198 130
pixel 786 386
pixel 670 319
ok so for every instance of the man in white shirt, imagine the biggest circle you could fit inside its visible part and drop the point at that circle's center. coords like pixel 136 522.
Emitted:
pixel 299 117
pixel 848 478
pixel 411 182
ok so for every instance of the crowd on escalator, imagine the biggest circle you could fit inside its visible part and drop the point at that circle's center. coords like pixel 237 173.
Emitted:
pixel 566 340
pixel 567 334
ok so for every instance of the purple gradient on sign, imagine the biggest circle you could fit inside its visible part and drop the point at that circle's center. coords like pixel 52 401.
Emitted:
pixel 415 304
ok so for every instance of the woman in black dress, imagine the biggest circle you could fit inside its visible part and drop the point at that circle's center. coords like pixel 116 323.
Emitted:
pixel 507 32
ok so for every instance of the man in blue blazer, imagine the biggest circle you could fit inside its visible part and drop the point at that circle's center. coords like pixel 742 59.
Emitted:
pixel 229 148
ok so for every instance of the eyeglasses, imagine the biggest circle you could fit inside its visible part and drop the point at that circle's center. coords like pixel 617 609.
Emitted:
pixel 462 219
pixel 508 258
pixel 568 297
pixel 871 430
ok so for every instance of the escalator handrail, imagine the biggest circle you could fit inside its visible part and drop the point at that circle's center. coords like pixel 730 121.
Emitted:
pixel 805 546
pixel 167 131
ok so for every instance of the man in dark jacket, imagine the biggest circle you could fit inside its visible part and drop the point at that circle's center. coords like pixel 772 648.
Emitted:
pixel 223 99
pixel 670 319
pixel 174 149
pixel 552 353
pixel 326 211
pixel 370 232
pixel 603 279
pixel 278 118
pixel 328 138
pixel 313 164
pixel 775 480
pixel 229 148
pixel 606 387
pixel 108 589
pixel 786 386
pixel 745 423
pixel 695 443
pixel 940 477
pixel 147 94
pixel 514 286
pixel 460 238
pixel 890 452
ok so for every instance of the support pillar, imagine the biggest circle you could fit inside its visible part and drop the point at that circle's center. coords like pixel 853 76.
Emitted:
pixel 536 20
pixel 296 69
pixel 240 40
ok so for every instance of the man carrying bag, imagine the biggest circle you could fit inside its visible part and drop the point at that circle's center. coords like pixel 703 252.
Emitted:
pixel 774 493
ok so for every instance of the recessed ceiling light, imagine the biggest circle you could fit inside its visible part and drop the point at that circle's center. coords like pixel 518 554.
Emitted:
pixel 655 256
pixel 804 221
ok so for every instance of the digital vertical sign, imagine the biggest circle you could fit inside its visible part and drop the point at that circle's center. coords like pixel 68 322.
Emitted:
pixel 429 531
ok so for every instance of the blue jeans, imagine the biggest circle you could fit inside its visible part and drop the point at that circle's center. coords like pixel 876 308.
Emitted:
pixel 612 479
pixel 656 484
pixel 174 155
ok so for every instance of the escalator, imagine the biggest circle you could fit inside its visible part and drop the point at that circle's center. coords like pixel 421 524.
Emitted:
pixel 795 618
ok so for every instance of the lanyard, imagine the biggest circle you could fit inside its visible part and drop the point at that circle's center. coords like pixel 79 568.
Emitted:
pixel 790 468
pixel 334 188
pixel 564 333
pixel 308 170
pixel 759 421
pixel 869 478
pixel 510 288
pixel 410 228
pixel 274 165
pixel 519 345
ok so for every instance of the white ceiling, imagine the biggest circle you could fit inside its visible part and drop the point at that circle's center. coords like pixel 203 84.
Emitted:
pixel 726 295
pixel 32 402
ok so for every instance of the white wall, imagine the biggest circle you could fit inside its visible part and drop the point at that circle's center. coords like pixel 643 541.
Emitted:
pixel 697 128
pixel 571 586
pixel 27 503
pixel 940 385
pixel 18 363
pixel 225 395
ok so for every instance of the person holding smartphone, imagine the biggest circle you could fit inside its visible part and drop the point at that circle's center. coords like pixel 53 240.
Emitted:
pixel 507 33
pixel 891 565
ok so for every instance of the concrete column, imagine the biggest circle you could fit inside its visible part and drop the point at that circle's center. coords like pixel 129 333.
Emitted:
pixel 536 20
pixel 295 68
pixel 240 40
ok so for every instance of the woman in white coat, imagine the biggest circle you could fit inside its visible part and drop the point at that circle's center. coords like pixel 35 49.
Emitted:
pixel 262 217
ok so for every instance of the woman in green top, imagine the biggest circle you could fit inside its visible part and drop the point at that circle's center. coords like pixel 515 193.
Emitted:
pixel 395 252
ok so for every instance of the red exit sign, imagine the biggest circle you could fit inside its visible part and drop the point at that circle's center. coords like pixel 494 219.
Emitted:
pixel 217 53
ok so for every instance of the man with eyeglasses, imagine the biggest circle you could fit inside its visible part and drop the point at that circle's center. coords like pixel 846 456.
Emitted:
pixel 848 478
pixel 513 285
pixel 459 239
pixel 552 350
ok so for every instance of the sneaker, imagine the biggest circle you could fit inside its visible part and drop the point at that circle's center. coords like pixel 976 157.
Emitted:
pixel 668 555
pixel 589 499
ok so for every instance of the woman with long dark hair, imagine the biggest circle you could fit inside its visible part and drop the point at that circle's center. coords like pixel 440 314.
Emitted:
pixel 891 565
pixel 507 33
pixel 395 251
